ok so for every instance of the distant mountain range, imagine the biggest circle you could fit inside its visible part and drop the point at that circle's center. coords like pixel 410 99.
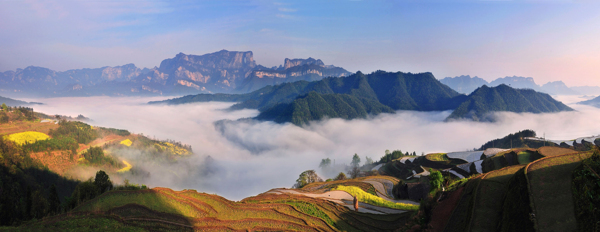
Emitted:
pixel 222 71
pixel 467 84
pixel 13 102
pixel 358 95
pixel 592 102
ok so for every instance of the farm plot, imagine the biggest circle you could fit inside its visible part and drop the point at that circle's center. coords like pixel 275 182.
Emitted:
pixel 551 195
pixel 524 157
pixel 21 126
pixel 27 137
pixel 489 199
pixel 554 151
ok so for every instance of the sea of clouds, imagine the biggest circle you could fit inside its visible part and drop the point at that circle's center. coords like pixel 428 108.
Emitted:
pixel 248 157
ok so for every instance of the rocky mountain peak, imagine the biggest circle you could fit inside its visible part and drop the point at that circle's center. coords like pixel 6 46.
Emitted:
pixel 289 63
pixel 220 60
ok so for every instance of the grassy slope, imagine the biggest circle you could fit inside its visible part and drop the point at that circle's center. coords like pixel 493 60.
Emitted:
pixel 551 195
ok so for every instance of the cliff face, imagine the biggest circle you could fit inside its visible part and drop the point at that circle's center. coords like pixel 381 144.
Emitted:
pixel 292 70
pixel 289 63
pixel 221 71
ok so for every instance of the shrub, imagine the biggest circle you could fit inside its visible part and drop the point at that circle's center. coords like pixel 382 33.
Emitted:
pixel 340 176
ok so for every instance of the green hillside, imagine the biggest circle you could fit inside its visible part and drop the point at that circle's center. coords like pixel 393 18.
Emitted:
pixel 315 106
pixel 504 98
pixel 349 97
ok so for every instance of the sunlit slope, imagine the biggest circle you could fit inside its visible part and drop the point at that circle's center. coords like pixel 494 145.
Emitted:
pixel 534 197
pixel 165 209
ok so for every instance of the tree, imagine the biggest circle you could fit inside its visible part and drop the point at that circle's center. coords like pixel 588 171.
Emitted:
pixel 102 181
pixel 340 176
pixel 414 153
pixel 4 107
pixel 307 177
pixel 355 160
pixel 387 152
pixel 354 172
pixel 396 154
pixel 435 179
pixel 406 154
pixel 3 117
pixel 39 205
pixel 325 163
pixel 53 200
pixel 368 160
pixel 94 154
pixel 84 191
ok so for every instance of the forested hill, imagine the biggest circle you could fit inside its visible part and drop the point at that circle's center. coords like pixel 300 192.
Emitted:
pixel 504 98
pixel 358 95
pixel 399 91
pixel 350 97
pixel 316 106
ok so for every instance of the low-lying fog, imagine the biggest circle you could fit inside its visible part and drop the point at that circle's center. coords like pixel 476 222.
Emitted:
pixel 252 157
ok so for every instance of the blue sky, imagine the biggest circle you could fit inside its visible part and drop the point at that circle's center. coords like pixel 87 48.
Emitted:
pixel 547 40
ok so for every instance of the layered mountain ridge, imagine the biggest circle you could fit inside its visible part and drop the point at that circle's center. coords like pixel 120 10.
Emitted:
pixel 360 95
pixel 466 84
pixel 223 71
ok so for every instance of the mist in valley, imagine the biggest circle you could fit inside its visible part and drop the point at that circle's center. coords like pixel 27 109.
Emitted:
pixel 248 157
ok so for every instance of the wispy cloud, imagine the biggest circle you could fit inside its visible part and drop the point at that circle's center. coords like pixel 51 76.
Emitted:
pixel 283 9
pixel 285 16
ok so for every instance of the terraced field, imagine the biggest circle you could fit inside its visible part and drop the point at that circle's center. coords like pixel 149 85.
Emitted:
pixel 554 151
pixel 437 157
pixel 551 195
pixel 162 209
pixel 489 199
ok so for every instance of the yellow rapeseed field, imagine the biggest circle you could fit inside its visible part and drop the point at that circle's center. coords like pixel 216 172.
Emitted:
pixel 172 148
pixel 374 200
pixel 27 137
pixel 126 142
pixel 125 169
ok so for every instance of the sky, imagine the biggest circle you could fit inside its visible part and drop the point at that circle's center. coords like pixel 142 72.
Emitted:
pixel 547 40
